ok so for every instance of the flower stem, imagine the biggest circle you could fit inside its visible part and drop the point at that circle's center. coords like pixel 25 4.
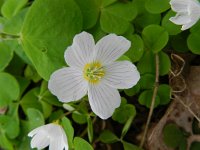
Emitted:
pixel 155 90
pixel 85 130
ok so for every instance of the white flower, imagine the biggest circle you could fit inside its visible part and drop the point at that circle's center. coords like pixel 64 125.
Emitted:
pixel 93 70
pixel 51 134
pixel 188 12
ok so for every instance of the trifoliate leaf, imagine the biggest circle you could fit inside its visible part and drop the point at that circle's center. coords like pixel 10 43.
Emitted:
pixel 155 38
pixel 108 137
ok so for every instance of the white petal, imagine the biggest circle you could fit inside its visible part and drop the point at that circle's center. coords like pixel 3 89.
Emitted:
pixel 40 140
pixel 34 131
pixel 188 25
pixel 194 5
pixel 55 144
pixel 68 84
pixel 50 134
pixel 81 51
pixel 53 129
pixel 45 142
pixel 180 19
pixel 121 75
pixel 64 139
pixel 110 48
pixel 188 12
pixel 179 5
pixel 194 11
pixel 58 137
pixel 103 99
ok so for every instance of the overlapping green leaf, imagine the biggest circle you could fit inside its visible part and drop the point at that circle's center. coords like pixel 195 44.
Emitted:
pixel 157 6
pixel 11 7
pixel 164 92
pixel 172 135
pixel 90 11
pixel 6 55
pixel 69 130
pixel 35 118
pixel 116 18
pixel 129 146
pixel 193 42
pixel 79 143
pixel 171 28
pixel 13 25
pixel 149 58
pixel 33 99
pixel 48 32
pixel 155 38
pixel 10 89
pixel 108 137
pixel 137 48
pixel 145 98
pixel 123 113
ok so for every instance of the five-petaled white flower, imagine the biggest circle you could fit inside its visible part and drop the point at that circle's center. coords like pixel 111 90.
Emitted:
pixel 188 12
pixel 52 135
pixel 93 70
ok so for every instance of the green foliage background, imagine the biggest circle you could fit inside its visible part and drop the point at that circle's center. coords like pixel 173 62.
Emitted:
pixel 33 37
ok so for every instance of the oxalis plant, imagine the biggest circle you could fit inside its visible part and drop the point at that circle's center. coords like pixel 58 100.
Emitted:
pixel 97 74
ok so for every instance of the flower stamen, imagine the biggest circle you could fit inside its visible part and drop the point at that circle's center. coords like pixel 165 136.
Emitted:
pixel 93 72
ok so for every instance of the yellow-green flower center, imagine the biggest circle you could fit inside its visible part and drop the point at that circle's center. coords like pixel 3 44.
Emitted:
pixel 93 72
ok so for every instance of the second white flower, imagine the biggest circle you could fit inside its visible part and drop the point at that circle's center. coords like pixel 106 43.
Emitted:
pixel 188 12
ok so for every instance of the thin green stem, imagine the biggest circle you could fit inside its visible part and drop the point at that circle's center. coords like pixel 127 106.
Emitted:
pixel 156 84
pixel 85 131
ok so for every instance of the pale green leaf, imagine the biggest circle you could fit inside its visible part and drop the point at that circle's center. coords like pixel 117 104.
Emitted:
pixel 10 89
pixel 80 143
pixel 108 137
pixel 48 32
